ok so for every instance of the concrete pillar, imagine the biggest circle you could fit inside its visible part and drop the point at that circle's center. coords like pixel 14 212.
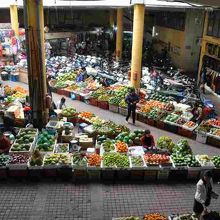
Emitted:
pixel 119 37
pixel 14 19
pixel 137 43
pixel 34 29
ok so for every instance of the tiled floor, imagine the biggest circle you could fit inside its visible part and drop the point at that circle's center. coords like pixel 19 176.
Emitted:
pixel 48 201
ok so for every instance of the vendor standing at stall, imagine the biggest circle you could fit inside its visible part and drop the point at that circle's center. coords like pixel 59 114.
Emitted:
pixel 132 99
pixel 147 140
pixel 5 143
pixel 197 113
pixel 82 75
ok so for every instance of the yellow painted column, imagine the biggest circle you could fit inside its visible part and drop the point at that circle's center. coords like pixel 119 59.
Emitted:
pixel 111 19
pixel 14 19
pixel 137 43
pixel 119 36
pixel 34 29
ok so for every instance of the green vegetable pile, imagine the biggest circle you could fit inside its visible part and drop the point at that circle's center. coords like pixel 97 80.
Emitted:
pixel 62 148
pixel 56 159
pixel 123 104
pixel 21 147
pixel 36 158
pixel 104 98
pixel 216 160
pixel 114 100
pixel 160 98
pixel 165 143
pixel 108 145
pixel 67 76
pixel 131 138
pixel 191 161
pixel 137 161
pixel 79 160
pixel 68 112
pixel 182 148
pixel 115 160
pixel 45 142
pixel 98 92
pixel 4 160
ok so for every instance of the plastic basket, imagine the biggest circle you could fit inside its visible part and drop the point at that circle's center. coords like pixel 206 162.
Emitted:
pixel 113 108
pixel 201 137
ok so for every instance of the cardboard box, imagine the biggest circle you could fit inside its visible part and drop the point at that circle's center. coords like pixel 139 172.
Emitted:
pixel 85 143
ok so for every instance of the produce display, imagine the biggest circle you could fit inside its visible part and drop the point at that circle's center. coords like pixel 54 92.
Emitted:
pixel 190 124
pixel 172 118
pixel 104 98
pixel 131 138
pixel 45 142
pixel 185 217
pixel 215 132
pixel 137 161
pixel 121 147
pixel 160 97
pixel 179 160
pixel 20 147
pixel 156 159
pixel 123 104
pixel 116 160
pixel 156 114
pixel 79 160
pixel 191 161
pixel 114 100
pixel 165 143
pixel 204 160
pixel 154 216
pixel 67 76
pixel 62 148
pixel 4 160
pixel 216 161
pixel 214 122
pixel 36 158
pixel 168 107
pixel 129 218
pixel 68 112
pixel 19 158
pixel 56 159
pixel 182 148
pixel 181 121
pixel 108 145
pixel 94 160
pixel 86 115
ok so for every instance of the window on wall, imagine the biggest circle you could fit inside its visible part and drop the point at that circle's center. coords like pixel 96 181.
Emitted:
pixel 214 24
pixel 174 20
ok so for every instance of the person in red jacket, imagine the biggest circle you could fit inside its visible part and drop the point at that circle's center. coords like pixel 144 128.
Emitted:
pixel 5 143
pixel 147 140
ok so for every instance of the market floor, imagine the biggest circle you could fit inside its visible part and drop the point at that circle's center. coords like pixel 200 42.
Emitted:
pixel 60 200
pixel 197 147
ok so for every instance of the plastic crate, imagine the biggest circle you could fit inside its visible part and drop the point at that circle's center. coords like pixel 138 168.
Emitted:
pixel 171 128
pixel 160 124
pixel 141 117
pixel 163 174
pixel 3 173
pixel 123 111
pixel 113 108
pixel 93 101
pixel 193 173
pixel 122 175
pixel 103 105
pixel 213 141
pixel 108 174
pixel 80 175
pixel 201 137
pixel 178 174
pixel 185 133
pixel 137 174
pixel 150 175
pixel 150 121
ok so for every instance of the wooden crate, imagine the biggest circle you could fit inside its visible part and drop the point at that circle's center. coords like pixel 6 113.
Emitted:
pixel 141 117
pixel 185 132
pixel 213 141
pixel 150 121
pixel 160 124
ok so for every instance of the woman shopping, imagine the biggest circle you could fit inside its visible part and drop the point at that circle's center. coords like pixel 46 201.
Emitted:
pixel 204 194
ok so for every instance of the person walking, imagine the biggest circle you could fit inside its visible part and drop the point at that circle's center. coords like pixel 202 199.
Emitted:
pixel 203 79
pixel 61 103
pixel 204 194
pixel 132 99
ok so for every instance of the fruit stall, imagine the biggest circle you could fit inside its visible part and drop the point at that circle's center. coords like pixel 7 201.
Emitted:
pixel 100 150
pixel 156 216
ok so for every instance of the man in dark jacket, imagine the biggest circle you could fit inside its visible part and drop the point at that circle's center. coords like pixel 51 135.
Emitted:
pixel 132 99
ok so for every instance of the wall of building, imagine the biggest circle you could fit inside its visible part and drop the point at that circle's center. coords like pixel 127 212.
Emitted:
pixel 183 45
pixel 174 41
